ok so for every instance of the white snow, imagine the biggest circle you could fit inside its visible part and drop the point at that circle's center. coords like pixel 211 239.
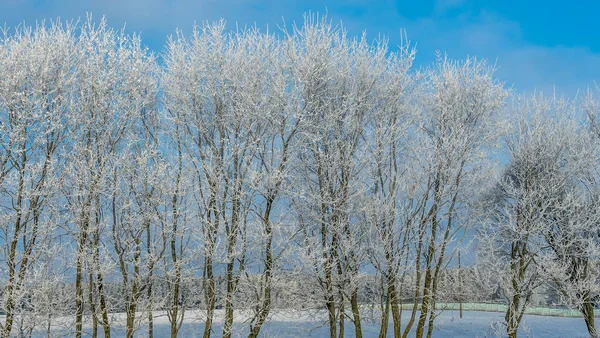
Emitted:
pixel 284 324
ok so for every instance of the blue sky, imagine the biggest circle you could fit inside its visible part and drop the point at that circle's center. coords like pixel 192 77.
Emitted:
pixel 535 44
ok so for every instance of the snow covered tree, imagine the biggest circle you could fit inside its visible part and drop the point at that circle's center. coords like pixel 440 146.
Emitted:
pixel 114 88
pixel 340 81
pixel 388 199
pixel 454 128
pixel 36 103
pixel 305 170
pixel 137 230
pixel 280 114
pixel 221 90
pixel 541 215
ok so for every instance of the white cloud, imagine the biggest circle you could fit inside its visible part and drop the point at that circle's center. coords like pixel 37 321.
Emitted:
pixel 482 34
pixel 526 66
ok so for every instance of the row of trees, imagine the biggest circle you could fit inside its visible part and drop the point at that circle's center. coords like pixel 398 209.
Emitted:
pixel 246 158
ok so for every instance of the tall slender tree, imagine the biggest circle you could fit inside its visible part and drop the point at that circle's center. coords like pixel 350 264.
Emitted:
pixel 389 199
pixel 456 124
pixel 340 80
pixel 114 88
pixel 36 102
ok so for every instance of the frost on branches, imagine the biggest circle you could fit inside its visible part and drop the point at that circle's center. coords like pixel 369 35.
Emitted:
pixel 237 175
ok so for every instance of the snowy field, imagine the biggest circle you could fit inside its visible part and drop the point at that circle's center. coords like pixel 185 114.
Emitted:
pixel 448 324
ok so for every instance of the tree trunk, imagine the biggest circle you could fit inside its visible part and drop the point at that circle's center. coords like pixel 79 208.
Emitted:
pixel 511 318
pixel 427 293
pixel 149 289
pixel 10 302
pixel 383 327
pixel 329 296
pixel 588 315
pixel 231 279
pixel 174 311
pixel 342 316
pixel 12 256
pixel 417 288
pixel 91 300
pixel 79 287
pixel 150 307
pixel 228 326
pixel 103 306
pixel 175 302
pixel 265 307
pixel 330 303
pixel 356 313
pixel 10 290
pixel 210 296
pixel 396 311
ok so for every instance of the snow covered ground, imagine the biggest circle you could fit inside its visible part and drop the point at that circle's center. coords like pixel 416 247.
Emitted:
pixel 448 324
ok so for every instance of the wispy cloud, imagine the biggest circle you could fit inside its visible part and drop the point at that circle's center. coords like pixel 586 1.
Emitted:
pixel 525 66
pixel 464 32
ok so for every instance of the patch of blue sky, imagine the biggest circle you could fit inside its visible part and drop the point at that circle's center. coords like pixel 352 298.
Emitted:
pixel 536 45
